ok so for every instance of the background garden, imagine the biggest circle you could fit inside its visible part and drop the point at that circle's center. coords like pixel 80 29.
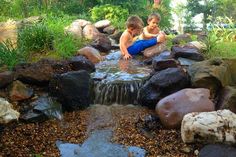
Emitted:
pixel 47 38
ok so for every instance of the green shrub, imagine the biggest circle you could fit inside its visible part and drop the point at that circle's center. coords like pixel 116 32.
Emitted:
pixel 115 14
pixel 9 55
pixel 35 38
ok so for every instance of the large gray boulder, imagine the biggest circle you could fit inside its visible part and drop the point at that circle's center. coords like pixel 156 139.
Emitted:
pixel 102 24
pixel 213 74
pixel 75 30
pixel 90 32
pixel 174 107
pixel 81 22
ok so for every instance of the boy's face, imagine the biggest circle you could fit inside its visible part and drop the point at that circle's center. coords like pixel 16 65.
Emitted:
pixel 136 31
pixel 153 23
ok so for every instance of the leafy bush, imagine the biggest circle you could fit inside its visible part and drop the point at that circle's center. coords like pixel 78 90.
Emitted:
pixel 115 14
pixel 9 55
pixel 35 38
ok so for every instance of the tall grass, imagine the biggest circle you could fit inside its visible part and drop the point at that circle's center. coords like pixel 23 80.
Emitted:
pixel 9 56
pixel 35 38
pixel 221 40
pixel 64 45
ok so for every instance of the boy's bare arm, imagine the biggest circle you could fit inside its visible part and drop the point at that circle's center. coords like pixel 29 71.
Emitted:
pixel 124 40
pixel 147 34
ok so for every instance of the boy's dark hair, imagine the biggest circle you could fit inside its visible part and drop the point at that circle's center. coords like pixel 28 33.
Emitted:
pixel 154 15
pixel 134 22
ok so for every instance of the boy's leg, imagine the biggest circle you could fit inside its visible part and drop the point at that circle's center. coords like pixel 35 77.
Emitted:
pixel 140 45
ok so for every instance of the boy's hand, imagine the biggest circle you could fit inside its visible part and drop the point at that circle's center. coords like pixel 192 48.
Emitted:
pixel 127 56
pixel 161 38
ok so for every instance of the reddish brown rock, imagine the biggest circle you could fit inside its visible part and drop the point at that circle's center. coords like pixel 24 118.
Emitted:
pixel 91 53
pixel 20 91
pixel 172 108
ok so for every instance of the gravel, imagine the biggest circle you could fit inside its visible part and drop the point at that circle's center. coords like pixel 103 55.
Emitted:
pixel 39 139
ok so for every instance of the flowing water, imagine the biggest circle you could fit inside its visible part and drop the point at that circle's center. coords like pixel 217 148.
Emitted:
pixel 118 81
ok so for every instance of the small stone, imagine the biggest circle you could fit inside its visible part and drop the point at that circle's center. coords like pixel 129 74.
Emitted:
pixel 196 152
pixel 186 149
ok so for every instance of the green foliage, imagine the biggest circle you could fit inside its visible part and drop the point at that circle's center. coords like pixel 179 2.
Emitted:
pixel 165 12
pixel 56 22
pixel 207 7
pixel 226 8
pixel 73 7
pixel 64 45
pixel 67 46
pixel 9 55
pixel 116 14
pixel 221 41
pixel 35 38
pixel 18 9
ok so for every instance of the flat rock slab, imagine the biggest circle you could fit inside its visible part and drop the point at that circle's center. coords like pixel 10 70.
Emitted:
pixel 98 145
pixel 217 150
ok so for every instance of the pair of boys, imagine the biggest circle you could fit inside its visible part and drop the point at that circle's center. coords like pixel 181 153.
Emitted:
pixel 150 35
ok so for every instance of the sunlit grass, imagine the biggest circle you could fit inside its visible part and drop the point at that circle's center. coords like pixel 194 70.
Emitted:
pixel 223 50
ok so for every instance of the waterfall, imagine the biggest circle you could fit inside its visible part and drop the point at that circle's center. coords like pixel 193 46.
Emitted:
pixel 117 92
pixel 118 81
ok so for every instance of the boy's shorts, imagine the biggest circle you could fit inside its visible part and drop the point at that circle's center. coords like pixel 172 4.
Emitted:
pixel 140 45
